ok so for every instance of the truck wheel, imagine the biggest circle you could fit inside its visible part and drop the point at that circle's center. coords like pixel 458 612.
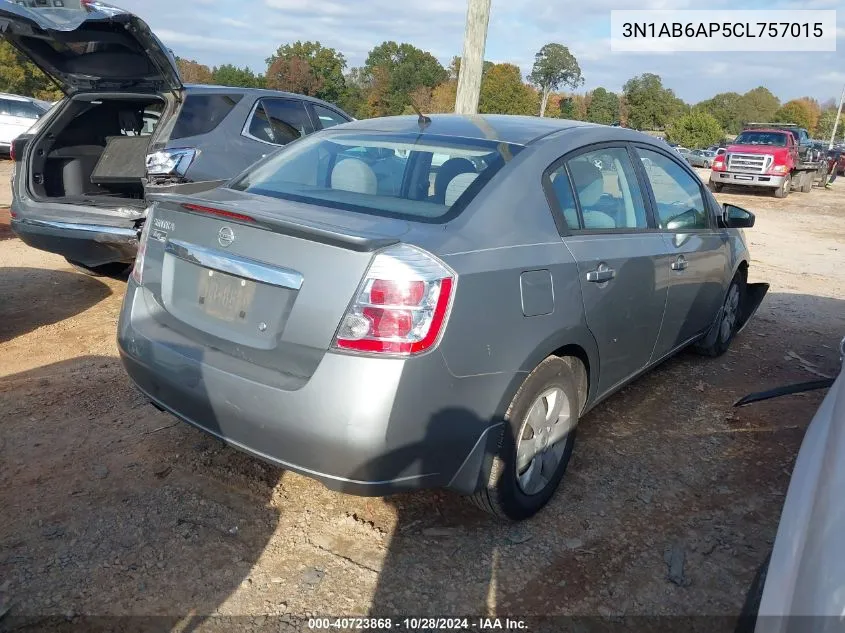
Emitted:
pixel 716 187
pixel 807 182
pixel 784 189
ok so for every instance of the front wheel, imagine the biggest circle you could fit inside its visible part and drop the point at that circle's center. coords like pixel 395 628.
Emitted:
pixel 537 441
pixel 716 187
pixel 730 317
pixel 784 189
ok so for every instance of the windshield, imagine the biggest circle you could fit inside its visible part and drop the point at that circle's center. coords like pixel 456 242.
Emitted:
pixel 416 176
pixel 777 139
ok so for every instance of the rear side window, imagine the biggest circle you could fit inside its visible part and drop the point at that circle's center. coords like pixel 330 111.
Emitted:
pixel 606 188
pixel 26 110
pixel 279 121
pixel 200 114
pixel 406 175
pixel 328 118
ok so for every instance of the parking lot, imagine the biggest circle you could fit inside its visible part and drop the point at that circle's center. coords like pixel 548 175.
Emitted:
pixel 114 508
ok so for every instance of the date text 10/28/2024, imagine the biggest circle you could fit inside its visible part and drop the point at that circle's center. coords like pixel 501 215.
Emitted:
pixel 413 624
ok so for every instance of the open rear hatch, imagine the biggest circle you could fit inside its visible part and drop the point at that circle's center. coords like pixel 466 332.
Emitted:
pixel 255 282
pixel 95 47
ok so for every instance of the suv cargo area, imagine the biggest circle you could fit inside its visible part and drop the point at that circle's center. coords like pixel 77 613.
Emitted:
pixel 93 150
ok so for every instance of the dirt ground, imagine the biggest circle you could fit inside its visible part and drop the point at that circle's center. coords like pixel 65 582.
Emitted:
pixel 112 508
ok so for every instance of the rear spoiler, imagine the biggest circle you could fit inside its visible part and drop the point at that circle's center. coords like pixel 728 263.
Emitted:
pixel 314 232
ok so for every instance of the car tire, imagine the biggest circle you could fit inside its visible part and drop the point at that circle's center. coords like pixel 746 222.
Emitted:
pixel 729 318
pixel 784 189
pixel 747 621
pixel 114 270
pixel 716 187
pixel 707 164
pixel 807 182
pixel 520 485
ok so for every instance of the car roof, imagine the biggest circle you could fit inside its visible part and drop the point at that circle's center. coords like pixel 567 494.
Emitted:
pixel 215 89
pixel 6 95
pixel 517 130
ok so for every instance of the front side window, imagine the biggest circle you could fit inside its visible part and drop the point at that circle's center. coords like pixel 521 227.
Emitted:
pixel 680 205
pixel 405 175
pixel 280 121
pixel 606 189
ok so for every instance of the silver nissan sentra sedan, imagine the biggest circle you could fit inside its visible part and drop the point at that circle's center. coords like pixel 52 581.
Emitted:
pixel 415 302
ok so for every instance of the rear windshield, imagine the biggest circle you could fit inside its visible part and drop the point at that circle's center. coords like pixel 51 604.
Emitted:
pixel 762 138
pixel 200 114
pixel 416 176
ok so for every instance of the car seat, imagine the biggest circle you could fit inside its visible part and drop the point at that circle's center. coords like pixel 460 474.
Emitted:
pixel 352 174
pixel 589 183
pixel 447 172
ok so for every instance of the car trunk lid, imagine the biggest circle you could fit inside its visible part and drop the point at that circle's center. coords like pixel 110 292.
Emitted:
pixel 93 47
pixel 266 282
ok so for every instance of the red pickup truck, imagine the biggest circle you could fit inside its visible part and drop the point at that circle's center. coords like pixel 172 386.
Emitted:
pixel 769 158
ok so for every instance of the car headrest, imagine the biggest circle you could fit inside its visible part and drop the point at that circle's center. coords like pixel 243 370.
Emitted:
pixel 131 120
pixel 588 182
pixel 457 186
pixel 352 174
pixel 448 170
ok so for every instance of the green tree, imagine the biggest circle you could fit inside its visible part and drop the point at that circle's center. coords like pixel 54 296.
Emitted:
pixel 229 75
pixel 554 67
pixel 326 66
pixel 567 109
pixel 758 105
pixel 604 107
pixel 824 128
pixel 455 68
pixel 695 129
pixel 725 107
pixel 795 112
pixel 650 106
pixel 400 69
pixel 504 92
pixel 20 76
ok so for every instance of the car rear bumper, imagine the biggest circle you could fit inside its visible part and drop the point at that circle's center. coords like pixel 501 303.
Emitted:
pixel 748 180
pixel 362 425
pixel 89 244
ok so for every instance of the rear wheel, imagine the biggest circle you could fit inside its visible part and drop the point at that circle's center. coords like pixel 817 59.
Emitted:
pixel 806 182
pixel 784 189
pixel 115 269
pixel 537 442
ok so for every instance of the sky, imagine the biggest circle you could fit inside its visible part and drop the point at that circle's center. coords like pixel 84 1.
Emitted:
pixel 246 32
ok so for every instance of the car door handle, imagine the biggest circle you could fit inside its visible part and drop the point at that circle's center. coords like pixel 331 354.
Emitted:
pixel 601 274
pixel 680 264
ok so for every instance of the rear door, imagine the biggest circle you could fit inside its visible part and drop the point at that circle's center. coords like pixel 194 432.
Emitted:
pixel 699 249
pixel 621 257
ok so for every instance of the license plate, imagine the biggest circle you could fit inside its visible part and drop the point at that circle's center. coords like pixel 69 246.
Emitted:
pixel 224 296
pixel 743 177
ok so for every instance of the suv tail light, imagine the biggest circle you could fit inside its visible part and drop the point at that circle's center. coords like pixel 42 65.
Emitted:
pixel 402 305
pixel 170 162
pixel 138 269
pixel 16 148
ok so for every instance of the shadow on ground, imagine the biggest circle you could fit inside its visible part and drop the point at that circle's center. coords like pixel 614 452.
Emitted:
pixel 105 528
pixel 42 297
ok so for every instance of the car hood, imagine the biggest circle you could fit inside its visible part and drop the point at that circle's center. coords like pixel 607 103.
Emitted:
pixel 92 46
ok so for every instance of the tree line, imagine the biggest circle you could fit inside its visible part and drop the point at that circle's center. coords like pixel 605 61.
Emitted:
pixel 399 78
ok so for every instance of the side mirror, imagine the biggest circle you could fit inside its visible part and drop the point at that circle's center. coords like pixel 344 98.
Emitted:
pixel 737 218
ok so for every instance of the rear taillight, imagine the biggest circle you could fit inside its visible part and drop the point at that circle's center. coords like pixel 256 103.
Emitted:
pixel 170 162
pixel 138 269
pixel 16 148
pixel 402 306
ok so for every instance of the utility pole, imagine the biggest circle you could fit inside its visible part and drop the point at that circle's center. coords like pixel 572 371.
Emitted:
pixel 836 120
pixel 472 62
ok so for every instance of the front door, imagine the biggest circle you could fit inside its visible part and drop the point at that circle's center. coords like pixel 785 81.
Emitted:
pixel 698 250
pixel 619 257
